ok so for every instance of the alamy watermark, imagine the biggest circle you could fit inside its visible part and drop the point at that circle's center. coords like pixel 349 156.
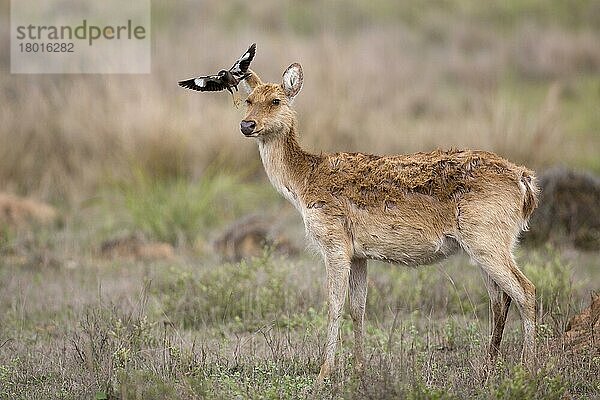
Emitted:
pixel 80 36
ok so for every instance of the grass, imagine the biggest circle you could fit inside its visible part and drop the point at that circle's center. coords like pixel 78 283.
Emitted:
pixel 87 327
pixel 179 211
pixel 248 292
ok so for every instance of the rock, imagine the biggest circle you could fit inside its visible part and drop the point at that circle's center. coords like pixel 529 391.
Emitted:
pixel 248 237
pixel 156 251
pixel 583 330
pixel 134 247
pixel 569 210
pixel 20 212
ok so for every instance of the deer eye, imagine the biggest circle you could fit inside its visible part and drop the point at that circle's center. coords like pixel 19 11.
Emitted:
pixel 275 102
pixel 248 102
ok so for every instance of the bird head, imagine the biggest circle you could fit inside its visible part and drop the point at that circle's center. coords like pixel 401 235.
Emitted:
pixel 269 105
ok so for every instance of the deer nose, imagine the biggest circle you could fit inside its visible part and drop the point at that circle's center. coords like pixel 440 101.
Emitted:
pixel 247 127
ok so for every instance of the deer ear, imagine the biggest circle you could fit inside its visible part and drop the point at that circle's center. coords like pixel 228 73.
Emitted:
pixel 292 80
pixel 251 82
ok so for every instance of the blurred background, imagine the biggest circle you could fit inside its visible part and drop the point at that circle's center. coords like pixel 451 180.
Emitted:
pixel 113 180
pixel 517 77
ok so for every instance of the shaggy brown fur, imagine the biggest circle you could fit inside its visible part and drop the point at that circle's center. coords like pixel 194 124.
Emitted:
pixel 408 209
pixel 382 181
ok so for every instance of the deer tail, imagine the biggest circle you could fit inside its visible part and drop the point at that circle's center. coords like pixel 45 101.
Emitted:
pixel 528 185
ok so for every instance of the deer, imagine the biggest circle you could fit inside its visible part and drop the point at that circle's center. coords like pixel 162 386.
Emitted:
pixel 412 210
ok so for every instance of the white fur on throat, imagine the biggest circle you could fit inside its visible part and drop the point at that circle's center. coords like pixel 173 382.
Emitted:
pixel 272 156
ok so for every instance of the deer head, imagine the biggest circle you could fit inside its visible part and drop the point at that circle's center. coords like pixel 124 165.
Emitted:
pixel 269 104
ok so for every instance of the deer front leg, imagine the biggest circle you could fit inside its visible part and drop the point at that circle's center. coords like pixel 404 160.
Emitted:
pixel 358 300
pixel 338 269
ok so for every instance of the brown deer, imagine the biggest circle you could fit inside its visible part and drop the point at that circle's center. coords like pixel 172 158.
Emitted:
pixel 407 209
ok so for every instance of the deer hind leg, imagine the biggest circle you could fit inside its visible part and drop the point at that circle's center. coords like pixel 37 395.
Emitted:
pixel 338 270
pixel 489 222
pixel 499 305
pixel 503 271
pixel 358 300
pixel 527 308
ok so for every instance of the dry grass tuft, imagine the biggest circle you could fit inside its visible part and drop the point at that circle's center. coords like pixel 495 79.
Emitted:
pixel 554 54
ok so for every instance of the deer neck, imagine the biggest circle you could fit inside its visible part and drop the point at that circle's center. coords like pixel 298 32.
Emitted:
pixel 286 164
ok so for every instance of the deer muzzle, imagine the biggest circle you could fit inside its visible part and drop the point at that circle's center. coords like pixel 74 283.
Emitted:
pixel 247 127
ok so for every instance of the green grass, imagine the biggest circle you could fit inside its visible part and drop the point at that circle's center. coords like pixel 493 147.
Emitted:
pixel 178 211
pixel 255 330
pixel 74 325
pixel 246 293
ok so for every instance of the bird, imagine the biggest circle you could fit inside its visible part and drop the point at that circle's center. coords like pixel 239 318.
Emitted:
pixel 224 79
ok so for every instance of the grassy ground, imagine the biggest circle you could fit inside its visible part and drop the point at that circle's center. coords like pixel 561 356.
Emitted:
pixel 76 325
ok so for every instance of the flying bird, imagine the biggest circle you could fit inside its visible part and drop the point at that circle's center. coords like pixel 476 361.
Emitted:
pixel 224 79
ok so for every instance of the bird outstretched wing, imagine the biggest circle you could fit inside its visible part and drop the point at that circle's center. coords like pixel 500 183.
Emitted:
pixel 240 67
pixel 224 79
pixel 210 83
